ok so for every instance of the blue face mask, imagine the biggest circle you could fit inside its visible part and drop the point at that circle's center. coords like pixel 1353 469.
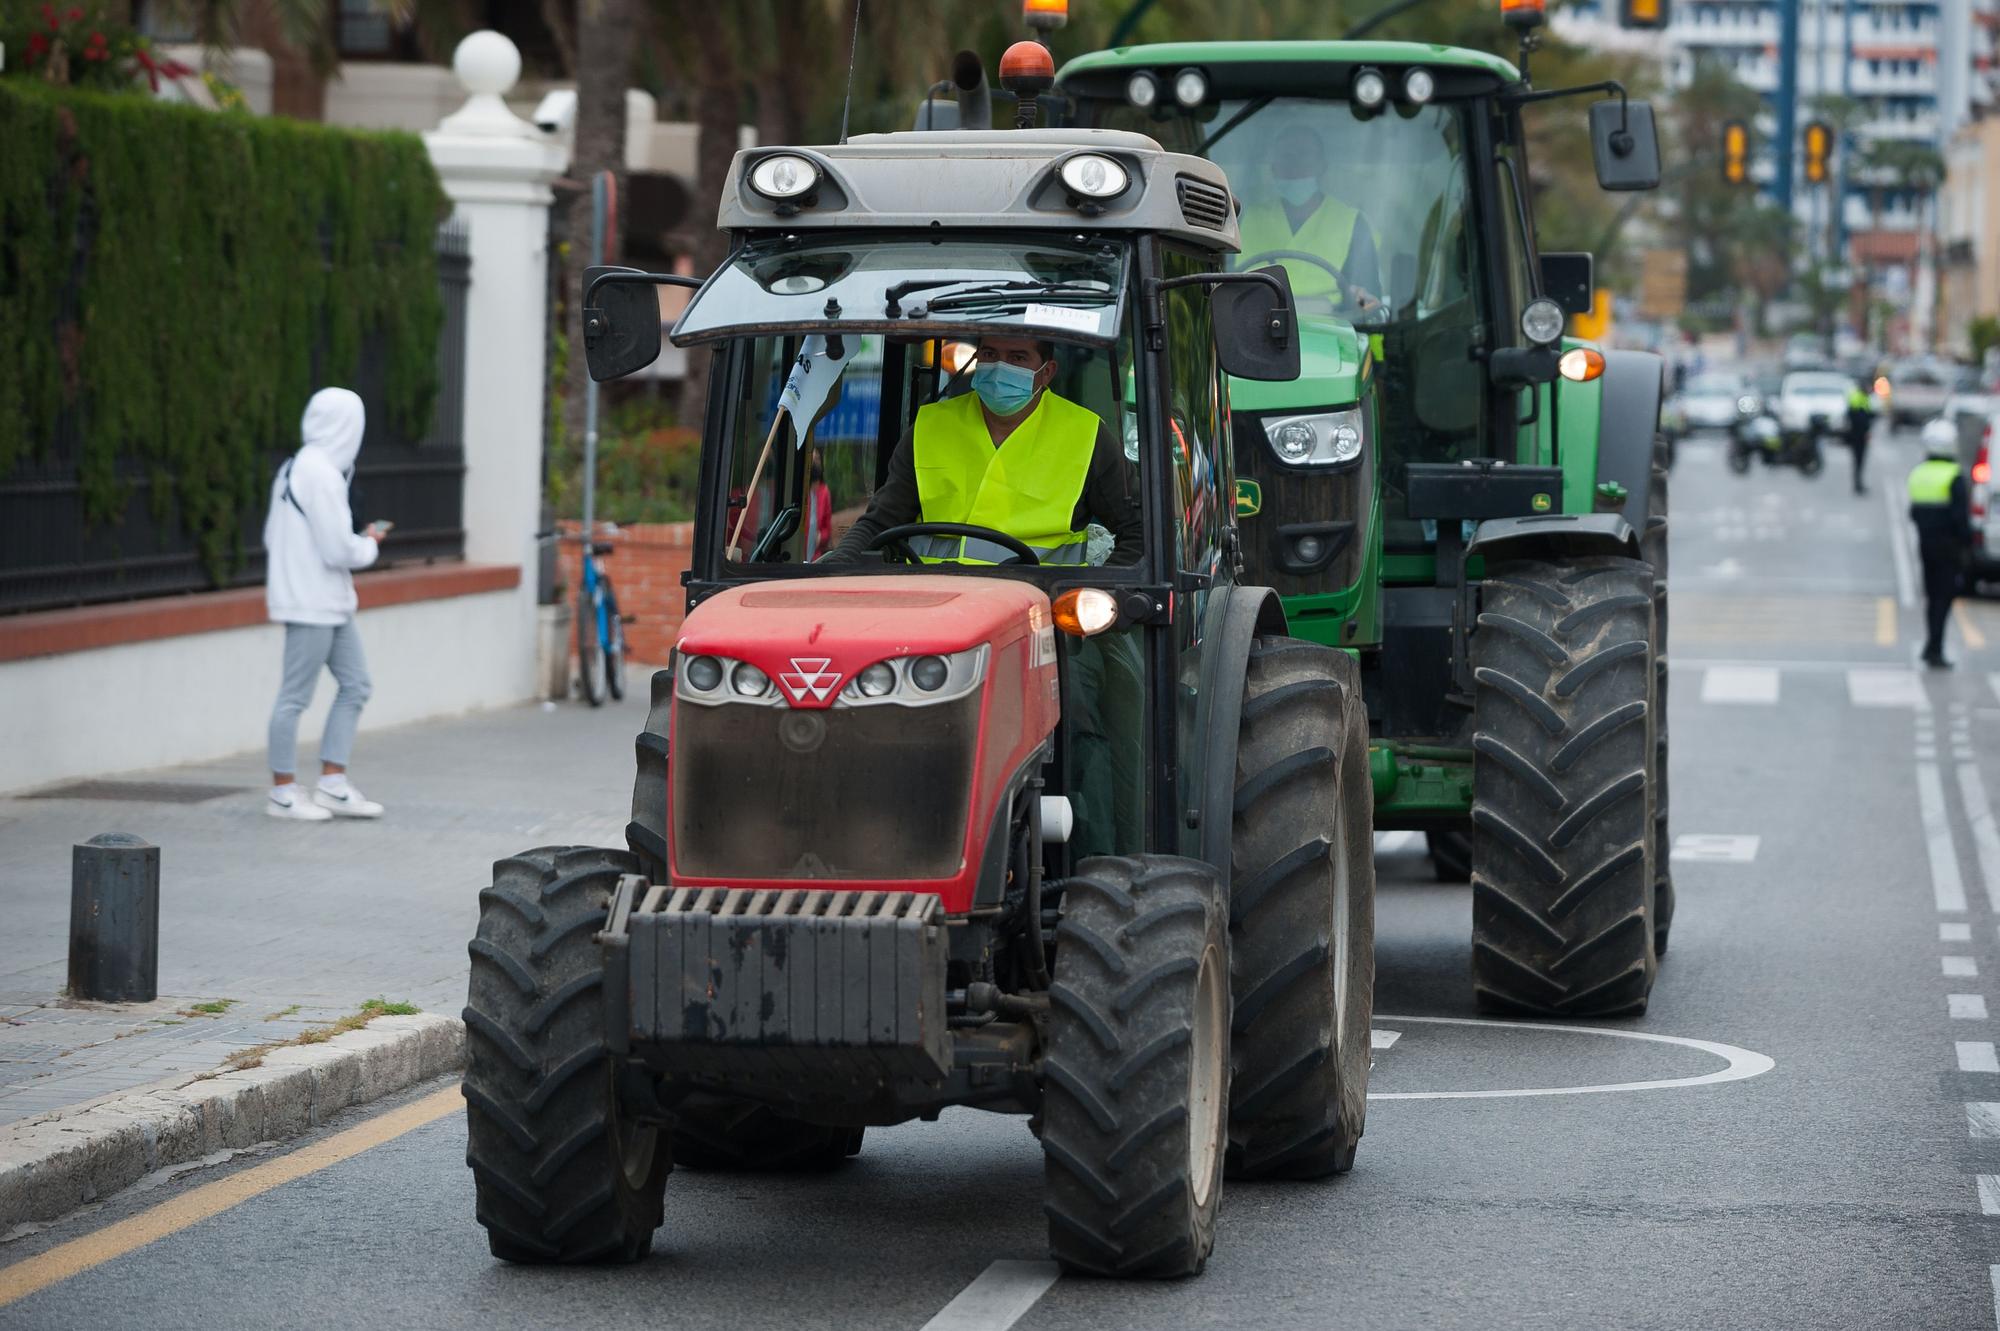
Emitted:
pixel 1004 388
pixel 1296 190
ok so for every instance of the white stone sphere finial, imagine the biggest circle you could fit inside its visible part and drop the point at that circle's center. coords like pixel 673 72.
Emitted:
pixel 487 62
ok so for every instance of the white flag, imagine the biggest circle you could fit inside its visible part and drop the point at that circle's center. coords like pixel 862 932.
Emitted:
pixel 813 376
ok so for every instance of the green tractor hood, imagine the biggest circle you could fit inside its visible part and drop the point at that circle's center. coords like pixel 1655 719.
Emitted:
pixel 1333 360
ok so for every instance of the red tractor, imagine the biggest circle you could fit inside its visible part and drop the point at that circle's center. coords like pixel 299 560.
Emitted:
pixel 1072 833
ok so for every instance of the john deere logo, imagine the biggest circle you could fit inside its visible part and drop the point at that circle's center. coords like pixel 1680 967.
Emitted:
pixel 1249 499
pixel 1540 503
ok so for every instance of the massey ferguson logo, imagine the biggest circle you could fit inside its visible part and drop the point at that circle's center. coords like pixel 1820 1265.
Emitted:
pixel 810 677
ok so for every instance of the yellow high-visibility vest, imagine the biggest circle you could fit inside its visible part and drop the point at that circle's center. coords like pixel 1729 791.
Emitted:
pixel 1329 233
pixel 1930 482
pixel 1028 487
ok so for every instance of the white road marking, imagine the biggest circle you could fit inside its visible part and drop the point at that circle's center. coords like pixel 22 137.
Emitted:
pixel 1879 686
pixel 1715 847
pixel 1740 684
pixel 1899 550
pixel 1977 1056
pixel 1959 968
pixel 1966 1007
pixel 1982 1119
pixel 1383 1039
pixel 1946 886
pixel 1393 843
pixel 1949 932
pixel 1989 1193
pixel 1985 833
pixel 1742 1063
pixel 1993 682
pixel 1000 1297
pixel 1993 1273
pixel 1926 753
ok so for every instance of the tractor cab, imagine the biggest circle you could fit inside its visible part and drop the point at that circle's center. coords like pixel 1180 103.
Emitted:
pixel 979 777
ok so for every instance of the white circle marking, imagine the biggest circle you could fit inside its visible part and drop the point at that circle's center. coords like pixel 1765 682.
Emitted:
pixel 1742 1063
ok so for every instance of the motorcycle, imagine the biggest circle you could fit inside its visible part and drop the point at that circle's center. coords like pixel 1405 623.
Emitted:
pixel 1760 437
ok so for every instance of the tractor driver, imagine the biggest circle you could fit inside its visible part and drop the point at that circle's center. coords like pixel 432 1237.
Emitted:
pixel 1013 456
pixel 1010 455
pixel 1300 216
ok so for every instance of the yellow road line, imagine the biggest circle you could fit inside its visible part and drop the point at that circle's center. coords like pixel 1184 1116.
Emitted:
pixel 1885 621
pixel 1973 637
pixel 79 1255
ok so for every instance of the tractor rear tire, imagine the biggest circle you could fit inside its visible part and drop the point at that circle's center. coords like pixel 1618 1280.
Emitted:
pixel 646 834
pixel 1302 915
pixel 1653 549
pixel 1136 1083
pixel 1562 809
pixel 755 1139
pixel 561 1175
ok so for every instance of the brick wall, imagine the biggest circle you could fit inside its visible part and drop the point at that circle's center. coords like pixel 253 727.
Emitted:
pixel 645 569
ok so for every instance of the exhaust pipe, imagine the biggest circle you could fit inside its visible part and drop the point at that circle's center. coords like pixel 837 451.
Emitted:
pixel 975 95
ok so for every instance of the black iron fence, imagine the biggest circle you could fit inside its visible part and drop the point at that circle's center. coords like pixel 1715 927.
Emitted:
pixel 50 557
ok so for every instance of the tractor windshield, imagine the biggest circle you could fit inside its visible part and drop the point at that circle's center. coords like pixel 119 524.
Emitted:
pixel 1371 215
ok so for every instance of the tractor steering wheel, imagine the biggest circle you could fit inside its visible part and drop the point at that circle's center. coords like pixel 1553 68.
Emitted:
pixel 896 540
pixel 1348 290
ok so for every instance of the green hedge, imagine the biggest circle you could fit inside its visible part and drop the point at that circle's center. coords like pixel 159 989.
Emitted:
pixel 168 277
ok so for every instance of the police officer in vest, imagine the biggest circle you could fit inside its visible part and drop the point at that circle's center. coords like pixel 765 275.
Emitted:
pixel 1939 507
pixel 1299 215
pixel 1012 456
pixel 1860 420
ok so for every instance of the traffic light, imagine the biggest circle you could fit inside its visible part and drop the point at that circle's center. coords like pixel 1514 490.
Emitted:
pixel 1643 13
pixel 1735 152
pixel 1819 148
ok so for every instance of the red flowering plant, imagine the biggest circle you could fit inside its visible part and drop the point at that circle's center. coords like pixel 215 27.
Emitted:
pixel 84 48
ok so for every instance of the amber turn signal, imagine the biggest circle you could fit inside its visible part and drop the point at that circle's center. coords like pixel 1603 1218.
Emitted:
pixel 1085 612
pixel 1580 364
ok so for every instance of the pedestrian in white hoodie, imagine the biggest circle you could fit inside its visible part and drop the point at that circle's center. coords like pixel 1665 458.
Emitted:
pixel 312 549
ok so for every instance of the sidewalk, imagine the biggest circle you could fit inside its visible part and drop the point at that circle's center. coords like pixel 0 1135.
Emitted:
pixel 288 925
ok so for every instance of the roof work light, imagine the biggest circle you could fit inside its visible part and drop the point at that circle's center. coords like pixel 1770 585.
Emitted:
pixel 1045 15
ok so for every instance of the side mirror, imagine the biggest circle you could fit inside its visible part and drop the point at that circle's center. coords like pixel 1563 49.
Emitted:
pixel 1522 367
pixel 1624 145
pixel 1256 330
pixel 621 319
pixel 1569 281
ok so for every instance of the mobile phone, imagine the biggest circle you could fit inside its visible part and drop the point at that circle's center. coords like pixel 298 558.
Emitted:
pixel 383 525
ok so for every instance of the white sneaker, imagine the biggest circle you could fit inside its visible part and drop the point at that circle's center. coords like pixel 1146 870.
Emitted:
pixel 289 801
pixel 346 802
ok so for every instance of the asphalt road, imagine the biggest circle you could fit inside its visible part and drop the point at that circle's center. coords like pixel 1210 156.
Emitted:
pixel 1794 1150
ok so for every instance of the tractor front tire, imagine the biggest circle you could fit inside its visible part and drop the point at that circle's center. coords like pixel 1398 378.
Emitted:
pixel 1562 809
pixel 747 1138
pixel 646 834
pixel 1302 915
pixel 1653 548
pixel 561 1175
pixel 1136 1082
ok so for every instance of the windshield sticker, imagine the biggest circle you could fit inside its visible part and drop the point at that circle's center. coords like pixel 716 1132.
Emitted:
pixel 1055 316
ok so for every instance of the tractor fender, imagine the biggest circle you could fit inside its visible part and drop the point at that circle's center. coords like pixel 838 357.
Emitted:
pixel 1554 535
pixel 1234 617
pixel 1628 418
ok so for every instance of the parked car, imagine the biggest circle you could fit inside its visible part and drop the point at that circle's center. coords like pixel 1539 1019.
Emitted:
pixel 1715 401
pixel 1809 393
pixel 1918 389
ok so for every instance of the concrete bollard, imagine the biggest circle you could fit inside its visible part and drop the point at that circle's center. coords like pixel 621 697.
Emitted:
pixel 114 920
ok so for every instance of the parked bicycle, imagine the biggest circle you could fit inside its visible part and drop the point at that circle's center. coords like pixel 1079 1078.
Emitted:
pixel 600 625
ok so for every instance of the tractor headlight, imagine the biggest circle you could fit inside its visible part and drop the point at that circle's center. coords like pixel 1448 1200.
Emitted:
pixel 784 176
pixel 1748 405
pixel 916 681
pixel 748 680
pixel 1093 176
pixel 1324 439
pixel 1190 87
pixel 1542 321
pixel 703 673
pixel 1418 85
pixel 1370 88
pixel 1142 90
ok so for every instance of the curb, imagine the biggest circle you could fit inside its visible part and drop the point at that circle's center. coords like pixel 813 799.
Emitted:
pixel 53 1164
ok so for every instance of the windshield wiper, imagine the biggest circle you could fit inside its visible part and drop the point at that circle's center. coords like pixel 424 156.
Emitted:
pixel 1011 289
pixel 1005 295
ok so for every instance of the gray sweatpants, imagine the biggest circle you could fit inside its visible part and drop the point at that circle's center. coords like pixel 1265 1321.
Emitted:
pixel 307 648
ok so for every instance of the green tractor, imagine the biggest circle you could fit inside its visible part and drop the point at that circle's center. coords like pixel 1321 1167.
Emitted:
pixel 1466 500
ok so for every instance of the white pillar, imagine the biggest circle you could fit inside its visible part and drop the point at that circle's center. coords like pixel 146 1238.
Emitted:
pixel 497 169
